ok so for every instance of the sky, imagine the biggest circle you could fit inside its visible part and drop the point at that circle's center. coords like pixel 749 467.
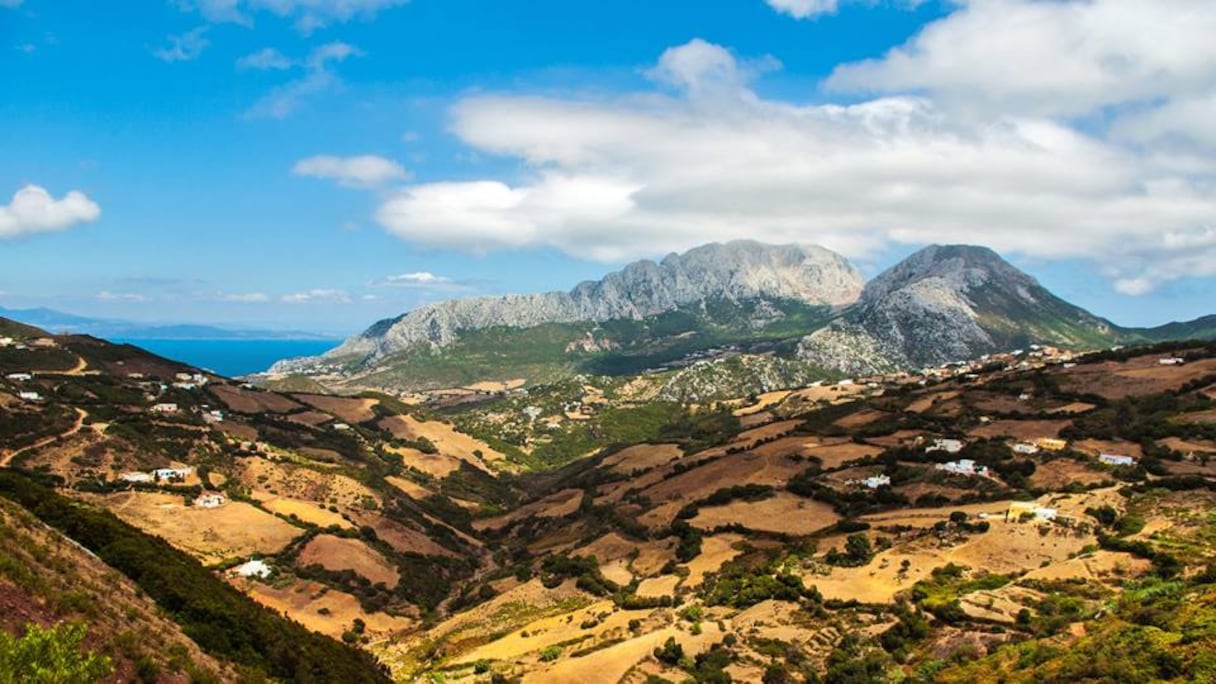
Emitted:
pixel 321 164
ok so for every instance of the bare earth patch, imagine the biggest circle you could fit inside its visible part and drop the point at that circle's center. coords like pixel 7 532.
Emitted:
pixel 251 401
pixel 642 457
pixel 349 409
pixel 320 608
pixel 213 535
pixel 783 513
pixel 338 553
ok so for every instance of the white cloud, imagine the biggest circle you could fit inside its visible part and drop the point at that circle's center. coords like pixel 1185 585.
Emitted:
pixel 615 178
pixel 264 60
pixel 308 15
pixel 318 295
pixel 184 47
pixel 810 9
pixel 245 297
pixel 107 296
pixel 362 171
pixel 418 278
pixel 34 210
pixel 1065 57
pixel 319 77
pixel 803 9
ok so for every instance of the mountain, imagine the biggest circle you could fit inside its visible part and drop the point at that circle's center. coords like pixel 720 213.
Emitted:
pixel 60 322
pixel 803 309
pixel 647 313
pixel 949 303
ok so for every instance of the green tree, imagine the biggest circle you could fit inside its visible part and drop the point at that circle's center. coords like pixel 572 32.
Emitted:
pixel 50 656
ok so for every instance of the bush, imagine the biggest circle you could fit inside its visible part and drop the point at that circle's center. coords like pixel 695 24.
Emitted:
pixel 51 655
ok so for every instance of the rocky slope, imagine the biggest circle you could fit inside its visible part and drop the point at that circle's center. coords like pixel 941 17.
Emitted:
pixel 740 271
pixel 948 303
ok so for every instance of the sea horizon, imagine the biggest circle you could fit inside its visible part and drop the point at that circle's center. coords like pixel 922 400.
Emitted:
pixel 231 357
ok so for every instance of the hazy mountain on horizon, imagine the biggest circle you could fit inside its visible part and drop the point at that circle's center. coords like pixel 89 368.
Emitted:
pixel 61 322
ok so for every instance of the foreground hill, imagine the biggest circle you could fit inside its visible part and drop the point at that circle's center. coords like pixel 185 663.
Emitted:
pixel 800 312
pixel 1024 518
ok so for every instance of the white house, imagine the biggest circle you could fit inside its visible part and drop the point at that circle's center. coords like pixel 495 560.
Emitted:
pixel 950 446
pixel 172 473
pixel 964 466
pixel 1116 460
pixel 876 481
pixel 30 396
pixel 341 426
pixel 215 416
pixel 136 477
pixel 1172 361
pixel 210 501
pixel 7 341
pixel 1025 448
pixel 164 408
pixel 19 377
pixel 254 568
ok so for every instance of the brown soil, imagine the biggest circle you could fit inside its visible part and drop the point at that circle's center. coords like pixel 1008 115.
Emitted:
pixel 338 553
pixel 250 401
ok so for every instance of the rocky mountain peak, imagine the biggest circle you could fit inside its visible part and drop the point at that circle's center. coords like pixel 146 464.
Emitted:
pixel 737 271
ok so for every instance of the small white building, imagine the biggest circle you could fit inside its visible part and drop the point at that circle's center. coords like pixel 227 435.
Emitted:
pixel 136 477
pixel 164 408
pixel 7 341
pixel 29 396
pixel 19 377
pixel 341 427
pixel 1116 460
pixel 1025 448
pixel 210 501
pixel 1172 361
pixel 876 481
pixel 950 446
pixel 215 416
pixel 172 473
pixel 254 568
pixel 964 466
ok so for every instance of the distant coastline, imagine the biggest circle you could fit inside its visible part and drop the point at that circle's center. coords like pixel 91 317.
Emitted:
pixel 231 357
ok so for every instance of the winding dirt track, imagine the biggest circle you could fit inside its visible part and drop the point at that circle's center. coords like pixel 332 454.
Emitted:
pixel 81 414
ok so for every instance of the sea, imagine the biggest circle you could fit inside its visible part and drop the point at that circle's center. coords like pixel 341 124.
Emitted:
pixel 233 358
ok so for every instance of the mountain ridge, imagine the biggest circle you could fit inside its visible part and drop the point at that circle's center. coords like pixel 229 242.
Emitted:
pixel 944 303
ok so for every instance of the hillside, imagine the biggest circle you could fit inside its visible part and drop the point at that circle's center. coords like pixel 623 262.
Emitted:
pixel 924 527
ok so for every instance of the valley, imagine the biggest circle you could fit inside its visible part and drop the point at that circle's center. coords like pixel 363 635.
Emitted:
pixel 934 524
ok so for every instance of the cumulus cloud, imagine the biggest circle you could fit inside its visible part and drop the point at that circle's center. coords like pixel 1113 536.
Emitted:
pixel 1053 58
pixel 615 178
pixel 265 59
pixel 319 77
pixel 364 171
pixel 318 295
pixel 308 15
pixel 184 47
pixel 34 210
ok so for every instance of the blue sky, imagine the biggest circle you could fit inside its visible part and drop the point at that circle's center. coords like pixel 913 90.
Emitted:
pixel 321 164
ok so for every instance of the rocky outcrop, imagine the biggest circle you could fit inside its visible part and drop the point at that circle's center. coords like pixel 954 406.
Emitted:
pixel 742 271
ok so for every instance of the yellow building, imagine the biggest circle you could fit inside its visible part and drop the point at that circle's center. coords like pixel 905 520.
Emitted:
pixel 1051 444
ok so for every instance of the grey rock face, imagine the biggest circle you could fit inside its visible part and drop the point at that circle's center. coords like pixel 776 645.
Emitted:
pixel 741 270
pixel 943 304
